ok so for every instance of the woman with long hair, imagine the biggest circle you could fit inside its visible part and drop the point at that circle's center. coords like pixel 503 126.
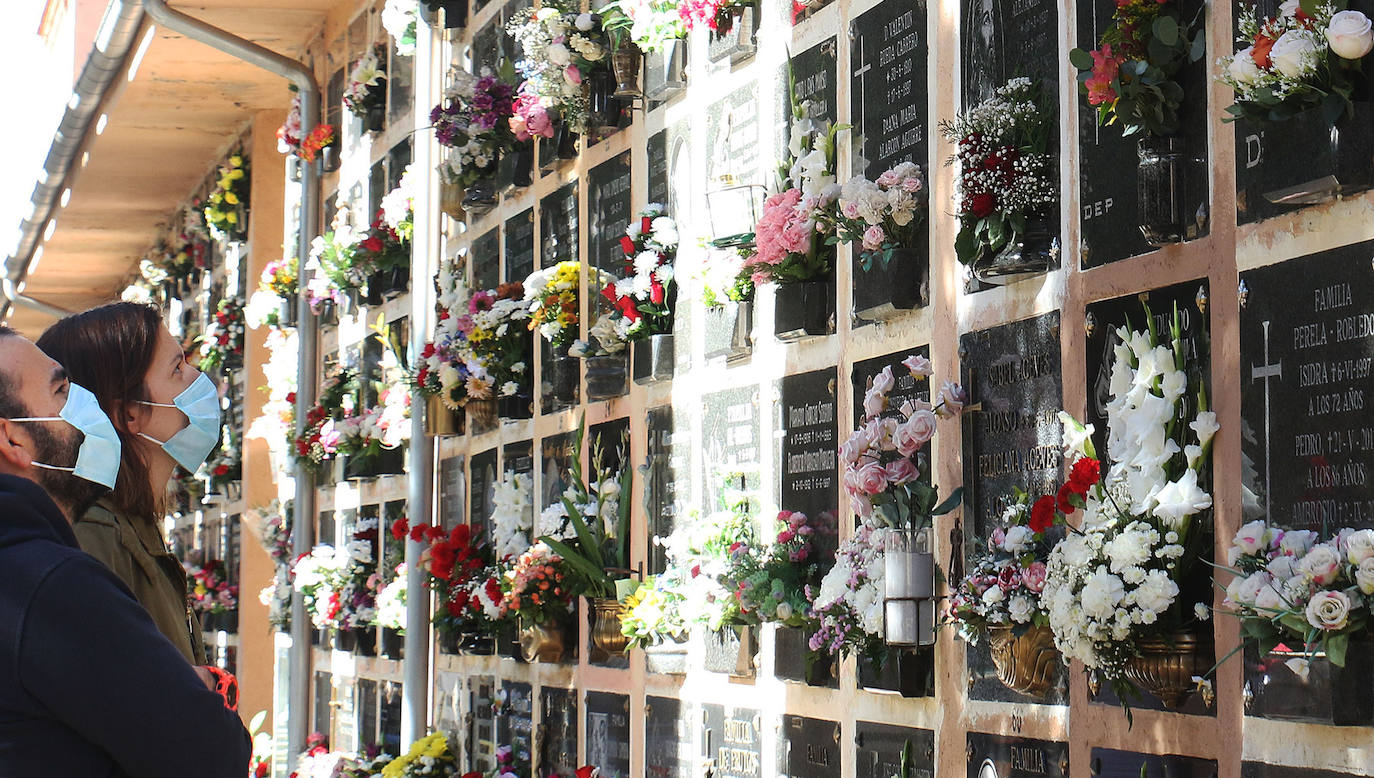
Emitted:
pixel 166 413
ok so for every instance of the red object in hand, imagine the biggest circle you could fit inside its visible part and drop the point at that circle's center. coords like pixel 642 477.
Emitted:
pixel 226 686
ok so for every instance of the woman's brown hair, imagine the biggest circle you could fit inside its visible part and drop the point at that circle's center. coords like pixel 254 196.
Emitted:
pixel 108 351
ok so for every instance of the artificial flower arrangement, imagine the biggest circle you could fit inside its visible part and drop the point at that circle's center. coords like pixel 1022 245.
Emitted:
pixel 772 583
pixel 381 249
pixel 725 277
pixel 281 277
pixel 165 264
pixel 509 764
pixel 429 757
pixel 367 432
pixel 1005 174
pixel 788 239
pixel 225 465
pixel 561 50
pixel 539 587
pixel 397 209
pixel 460 572
pixel 400 19
pixel 714 15
pixel 512 514
pixel 319 440
pixel 553 297
pixel 593 536
pixel 1117 584
pixel 356 582
pixel 334 265
pixel 222 344
pixel 473 122
pixel 847 607
pixel 227 206
pixel 652 612
pixel 444 369
pixel 314 576
pixel 289 136
pixel 641 303
pixel 1308 57
pixel 1131 78
pixel 882 216
pixel 1001 588
pixel 274 528
pixel 210 589
pixel 885 456
pixel 496 331
pixel 1290 586
pixel 277 286
pixel 653 25
pixel 321 137
pixel 366 89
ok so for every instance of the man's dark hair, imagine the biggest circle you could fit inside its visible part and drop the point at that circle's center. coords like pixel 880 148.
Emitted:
pixel 11 406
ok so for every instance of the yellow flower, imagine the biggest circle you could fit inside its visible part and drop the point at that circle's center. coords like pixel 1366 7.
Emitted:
pixel 236 161
pixel 231 198
pixel 231 217
pixel 235 175
pixel 201 590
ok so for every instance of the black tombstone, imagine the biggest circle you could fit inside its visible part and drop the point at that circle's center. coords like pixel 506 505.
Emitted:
pixel 732 448
pixel 519 246
pixel 1109 763
pixel 997 756
pixel 808 748
pixel 609 211
pixel 879 749
pixel 667 738
pixel 557 732
pixel 484 477
pixel 451 491
pixel 608 733
pixel 481 745
pixel 515 720
pixel 486 259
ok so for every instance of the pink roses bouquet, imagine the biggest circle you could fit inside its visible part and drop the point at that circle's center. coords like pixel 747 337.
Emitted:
pixel 1004 581
pixel 882 216
pixel 884 457
pixel 531 115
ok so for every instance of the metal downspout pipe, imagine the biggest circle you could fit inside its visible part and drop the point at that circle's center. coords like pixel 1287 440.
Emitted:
pixel 425 244
pixel 303 527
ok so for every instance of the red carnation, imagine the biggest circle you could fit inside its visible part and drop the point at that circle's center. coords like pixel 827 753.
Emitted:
pixel 442 557
pixel 399 528
pixel 1042 514
pixel 461 535
pixel 1062 500
pixel 417 532
pixel 1084 473
pixel 434 533
pixel 608 292
pixel 373 245
pixel 427 351
pixel 627 244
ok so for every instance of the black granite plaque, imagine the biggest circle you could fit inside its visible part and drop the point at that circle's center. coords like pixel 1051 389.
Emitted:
pixel 1109 763
pixel 520 246
pixel 667 739
pixel 1306 353
pixel 484 476
pixel 995 756
pixel 807 454
pixel 486 45
pixel 451 495
pixel 1293 685
pixel 887 97
pixel 732 741
pixel 1011 441
pixel 732 137
pixel 732 452
pixel 879 750
pixel 557 732
pixel 1003 39
pixel 515 719
pixel 813 82
pixel 668 460
pixel 905 389
pixel 1108 203
pixel 1262 770
pixel 608 733
pixel 558 227
pixel 556 457
pixel 1011 433
pixel 518 457
pixel 486 259
pixel 808 748
pixel 608 210
pixel 612 438
pixel 481 746
pixel 657 150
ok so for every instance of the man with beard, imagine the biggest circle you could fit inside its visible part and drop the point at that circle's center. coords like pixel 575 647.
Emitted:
pixel 88 686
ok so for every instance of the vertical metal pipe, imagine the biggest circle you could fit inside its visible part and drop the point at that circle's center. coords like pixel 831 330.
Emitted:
pixel 424 248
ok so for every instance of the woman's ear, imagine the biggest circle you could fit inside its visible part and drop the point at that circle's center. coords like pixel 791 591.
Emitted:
pixel 135 415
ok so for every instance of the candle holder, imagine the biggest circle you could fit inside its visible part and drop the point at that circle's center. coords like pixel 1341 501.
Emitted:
pixel 909 581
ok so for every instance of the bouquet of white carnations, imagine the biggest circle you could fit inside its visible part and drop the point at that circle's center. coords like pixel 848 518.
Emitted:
pixel 848 606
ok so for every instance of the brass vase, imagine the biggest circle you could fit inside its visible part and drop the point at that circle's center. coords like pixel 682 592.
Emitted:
pixel 451 200
pixel 1166 666
pixel 606 634
pixel 439 420
pixel 1028 663
pixel 482 413
pixel 625 62
pixel 541 642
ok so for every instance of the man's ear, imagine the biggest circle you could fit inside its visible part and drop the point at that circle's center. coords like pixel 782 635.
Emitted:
pixel 16 447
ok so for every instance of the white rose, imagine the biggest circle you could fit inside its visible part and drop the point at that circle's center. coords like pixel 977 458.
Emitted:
pixel 1349 34
pixel 1017 539
pixel 585 22
pixel 1328 610
pixel 1322 565
pixel 1021 608
pixel 1268 600
pixel 993 595
pixel 1364 576
pixel 1243 68
pixel 1294 54
pixel 1297 541
pixel 558 54
pixel 1359 546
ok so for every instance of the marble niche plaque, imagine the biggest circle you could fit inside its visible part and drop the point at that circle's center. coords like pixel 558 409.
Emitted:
pixel 879 750
pixel 667 461
pixel 813 73
pixel 608 733
pixel 520 246
pixel 559 236
pixel 732 137
pixel 557 732
pixel 995 756
pixel 515 719
pixel 1307 448
pixel 481 745
pixel 556 454
pixel 1109 763
pixel 657 152
pixel 486 259
pixel 732 449
pixel 731 742
pixel 887 95
pixel 668 741
pixel 484 475
pixel 808 748
pixel 609 207
pixel 1011 441
pixel 809 435
pixel 451 488
pixel 1002 39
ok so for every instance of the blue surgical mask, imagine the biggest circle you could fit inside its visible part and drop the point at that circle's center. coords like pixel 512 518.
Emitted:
pixel 98 458
pixel 194 442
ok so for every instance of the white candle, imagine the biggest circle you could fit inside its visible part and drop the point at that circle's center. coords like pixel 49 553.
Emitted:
pixel 902 622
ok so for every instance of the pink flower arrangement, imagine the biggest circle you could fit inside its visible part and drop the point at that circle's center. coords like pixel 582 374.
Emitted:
pixel 702 13
pixel 787 227
pixel 531 116
pixel 883 456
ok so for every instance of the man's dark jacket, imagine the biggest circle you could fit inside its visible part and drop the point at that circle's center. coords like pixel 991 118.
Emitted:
pixel 88 686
